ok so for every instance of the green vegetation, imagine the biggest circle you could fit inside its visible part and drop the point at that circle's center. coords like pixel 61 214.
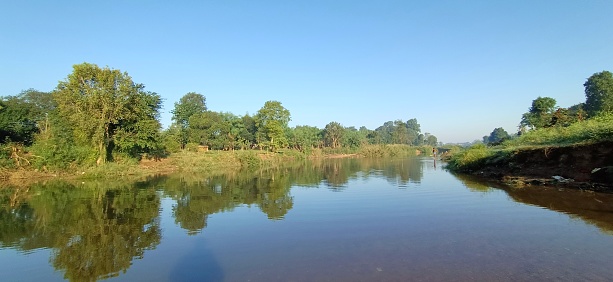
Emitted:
pixel 97 122
pixel 546 125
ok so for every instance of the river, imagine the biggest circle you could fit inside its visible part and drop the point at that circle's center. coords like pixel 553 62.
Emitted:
pixel 335 220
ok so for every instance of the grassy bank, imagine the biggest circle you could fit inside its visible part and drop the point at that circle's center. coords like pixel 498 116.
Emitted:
pixel 595 130
pixel 205 162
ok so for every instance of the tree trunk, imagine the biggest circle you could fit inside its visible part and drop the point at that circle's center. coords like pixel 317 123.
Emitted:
pixel 101 153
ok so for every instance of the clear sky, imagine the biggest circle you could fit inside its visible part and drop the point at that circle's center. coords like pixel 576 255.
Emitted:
pixel 461 68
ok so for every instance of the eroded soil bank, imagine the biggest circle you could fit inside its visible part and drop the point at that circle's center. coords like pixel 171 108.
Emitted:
pixel 579 166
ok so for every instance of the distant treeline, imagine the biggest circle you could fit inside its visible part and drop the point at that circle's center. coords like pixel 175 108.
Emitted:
pixel 99 115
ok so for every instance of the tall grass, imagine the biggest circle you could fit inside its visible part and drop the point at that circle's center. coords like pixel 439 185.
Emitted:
pixel 396 150
pixel 596 129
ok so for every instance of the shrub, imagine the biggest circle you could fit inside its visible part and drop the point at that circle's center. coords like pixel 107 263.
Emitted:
pixel 470 159
pixel 248 159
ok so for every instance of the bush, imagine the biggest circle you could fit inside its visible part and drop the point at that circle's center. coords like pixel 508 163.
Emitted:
pixel 248 159
pixel 393 150
pixel 470 159
pixel 5 156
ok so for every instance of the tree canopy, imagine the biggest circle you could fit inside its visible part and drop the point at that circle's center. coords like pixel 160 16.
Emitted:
pixel 540 113
pixel 105 109
pixel 24 115
pixel 599 93
pixel 272 121
pixel 497 136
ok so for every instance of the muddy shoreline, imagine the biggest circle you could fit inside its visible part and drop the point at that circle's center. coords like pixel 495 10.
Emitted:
pixel 585 167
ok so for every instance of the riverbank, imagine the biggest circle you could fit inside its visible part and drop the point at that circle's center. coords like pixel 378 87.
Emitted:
pixel 584 166
pixel 579 155
pixel 210 162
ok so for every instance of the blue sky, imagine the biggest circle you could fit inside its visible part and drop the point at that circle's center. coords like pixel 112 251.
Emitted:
pixel 462 68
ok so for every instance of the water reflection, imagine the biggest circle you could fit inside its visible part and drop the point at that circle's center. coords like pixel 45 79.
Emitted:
pixel 476 184
pixel 399 172
pixel 95 230
pixel 593 208
pixel 198 197
pixel 94 233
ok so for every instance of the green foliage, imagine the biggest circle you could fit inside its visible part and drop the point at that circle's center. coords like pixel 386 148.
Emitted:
pixel 190 104
pixel 93 232
pixel 470 159
pixel 394 150
pixel 271 121
pixel 596 129
pixel 333 132
pixel 107 111
pixel 430 140
pixel 24 115
pixel 249 134
pixel 599 93
pixel 568 116
pixel 171 139
pixel 497 136
pixel 540 113
pixel 248 159
pixel 306 138
pixel 208 128
pixel 399 132
pixel 599 128
pixel 127 167
pixel 5 156
pixel 353 139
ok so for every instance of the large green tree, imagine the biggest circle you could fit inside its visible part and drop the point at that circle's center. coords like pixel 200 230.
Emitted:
pixel 105 109
pixel 333 133
pixel 599 93
pixel 540 113
pixel 272 121
pixel 208 128
pixel 189 105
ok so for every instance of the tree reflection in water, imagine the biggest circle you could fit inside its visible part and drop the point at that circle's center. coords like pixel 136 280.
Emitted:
pixel 94 232
pixel 95 229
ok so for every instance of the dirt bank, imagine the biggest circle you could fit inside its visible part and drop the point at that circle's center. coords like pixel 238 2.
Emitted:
pixel 580 166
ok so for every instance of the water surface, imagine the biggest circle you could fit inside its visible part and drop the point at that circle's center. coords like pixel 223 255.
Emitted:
pixel 336 220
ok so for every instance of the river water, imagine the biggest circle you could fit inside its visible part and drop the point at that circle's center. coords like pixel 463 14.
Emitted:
pixel 334 220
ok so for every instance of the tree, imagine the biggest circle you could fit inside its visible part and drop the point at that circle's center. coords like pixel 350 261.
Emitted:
pixel 24 115
pixel 306 137
pixel 102 105
pixel 414 125
pixel 190 104
pixel 400 135
pixel 250 130
pixel 599 93
pixel 384 133
pixel 271 121
pixel 497 136
pixel 352 138
pixel 540 113
pixel 208 128
pixel 333 132
pixel 431 140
